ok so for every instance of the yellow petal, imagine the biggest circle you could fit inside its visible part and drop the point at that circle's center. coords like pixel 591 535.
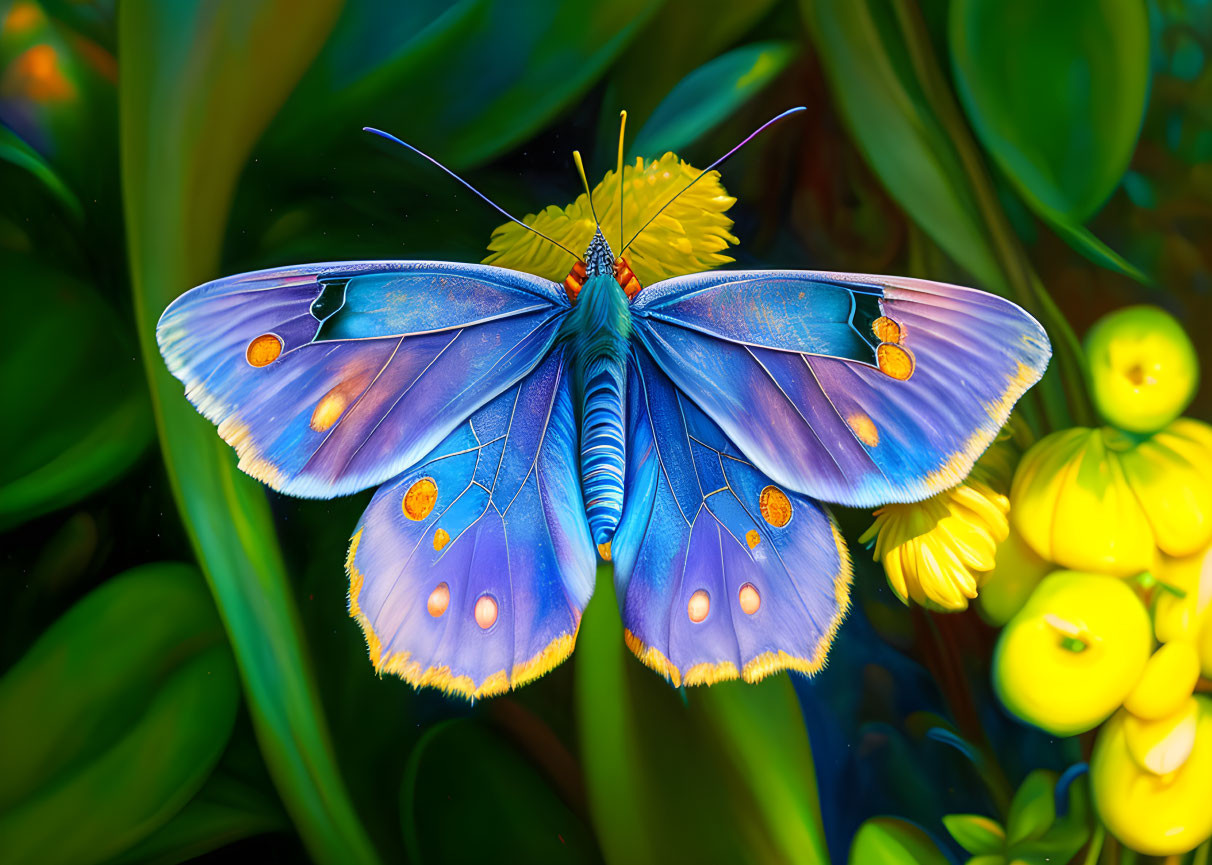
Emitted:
pixel 1159 815
pixel 1162 745
pixel 1171 474
pixel 1167 682
pixel 687 237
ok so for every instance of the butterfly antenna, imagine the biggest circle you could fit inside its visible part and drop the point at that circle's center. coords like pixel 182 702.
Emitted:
pixel 576 157
pixel 622 129
pixel 490 202
pixel 750 137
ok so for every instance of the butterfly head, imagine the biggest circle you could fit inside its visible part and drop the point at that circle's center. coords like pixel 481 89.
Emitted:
pixel 599 260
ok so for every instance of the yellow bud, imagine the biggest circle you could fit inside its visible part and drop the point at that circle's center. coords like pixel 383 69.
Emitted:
pixel 1073 652
pixel 1159 815
pixel 1072 504
pixel 1016 572
pixel 1167 682
pixel 1179 614
pixel 1162 745
pixel 1171 475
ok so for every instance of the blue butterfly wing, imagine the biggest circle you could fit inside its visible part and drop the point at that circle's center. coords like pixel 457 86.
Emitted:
pixel 364 366
pixel 480 586
pixel 785 364
pixel 709 587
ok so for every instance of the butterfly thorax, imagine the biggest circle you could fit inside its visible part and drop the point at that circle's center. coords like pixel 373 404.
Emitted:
pixel 597 332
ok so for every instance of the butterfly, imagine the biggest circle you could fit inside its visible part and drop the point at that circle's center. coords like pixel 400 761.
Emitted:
pixel 519 429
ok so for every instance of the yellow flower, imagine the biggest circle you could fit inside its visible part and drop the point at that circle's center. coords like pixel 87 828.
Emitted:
pixel 1158 813
pixel 939 551
pixel 1100 500
pixel 1182 611
pixel 691 235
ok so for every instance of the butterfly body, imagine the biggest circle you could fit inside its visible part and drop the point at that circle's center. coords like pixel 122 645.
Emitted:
pixel 598 332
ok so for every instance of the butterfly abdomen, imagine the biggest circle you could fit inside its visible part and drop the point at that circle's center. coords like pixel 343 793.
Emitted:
pixel 598 330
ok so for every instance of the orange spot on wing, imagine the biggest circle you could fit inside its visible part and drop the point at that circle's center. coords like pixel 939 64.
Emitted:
pixel 699 606
pixel 420 499
pixel 439 600
pixel 263 350
pixel 749 598
pixel 894 361
pixel 886 330
pixel 329 408
pixel 440 539
pixel 775 506
pixel 752 538
pixel 864 428
pixel 486 611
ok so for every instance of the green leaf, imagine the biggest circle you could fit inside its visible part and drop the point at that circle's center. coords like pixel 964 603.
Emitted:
pixel 468 797
pixel 1081 239
pixel 1068 834
pixel 225 810
pixel 84 416
pixel 200 82
pixel 682 35
pixel 976 833
pixel 14 150
pixel 1033 808
pixel 892 841
pixel 1056 93
pixel 711 94
pixel 114 718
pixel 649 751
pixel 465 83
pixel 881 95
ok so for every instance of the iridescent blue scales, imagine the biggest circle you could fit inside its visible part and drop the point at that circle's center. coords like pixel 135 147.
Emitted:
pixel 690 431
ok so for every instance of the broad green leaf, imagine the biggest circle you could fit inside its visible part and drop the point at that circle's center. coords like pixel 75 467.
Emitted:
pixel 1056 92
pixel 682 35
pixel 200 82
pixel 114 718
pixel 79 414
pixel 467 82
pixel 710 94
pixel 892 841
pixel 468 796
pixel 649 752
pixel 882 98
pixel 1068 834
pixel 1033 808
pixel 976 833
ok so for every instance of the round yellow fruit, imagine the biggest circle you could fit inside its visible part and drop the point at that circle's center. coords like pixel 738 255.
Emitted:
pixel 1156 814
pixel 1143 368
pixel 1074 651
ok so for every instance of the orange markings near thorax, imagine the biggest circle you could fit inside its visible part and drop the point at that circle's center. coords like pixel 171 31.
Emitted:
pixel 622 272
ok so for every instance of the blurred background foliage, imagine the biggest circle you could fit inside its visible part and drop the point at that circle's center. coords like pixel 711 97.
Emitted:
pixel 180 676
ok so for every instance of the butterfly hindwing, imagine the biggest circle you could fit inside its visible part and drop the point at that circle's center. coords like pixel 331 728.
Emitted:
pixel 788 365
pixel 469 571
pixel 720 573
pixel 330 378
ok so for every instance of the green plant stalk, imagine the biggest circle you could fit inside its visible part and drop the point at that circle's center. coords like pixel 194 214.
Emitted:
pixel 1069 389
pixel 189 117
pixel 1096 844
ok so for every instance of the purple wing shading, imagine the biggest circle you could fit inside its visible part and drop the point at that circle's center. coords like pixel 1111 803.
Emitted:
pixel 785 363
pixel 720 573
pixel 331 378
pixel 469 571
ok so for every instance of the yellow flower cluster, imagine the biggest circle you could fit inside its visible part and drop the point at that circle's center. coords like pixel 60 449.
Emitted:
pixel 689 236
pixel 1123 632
